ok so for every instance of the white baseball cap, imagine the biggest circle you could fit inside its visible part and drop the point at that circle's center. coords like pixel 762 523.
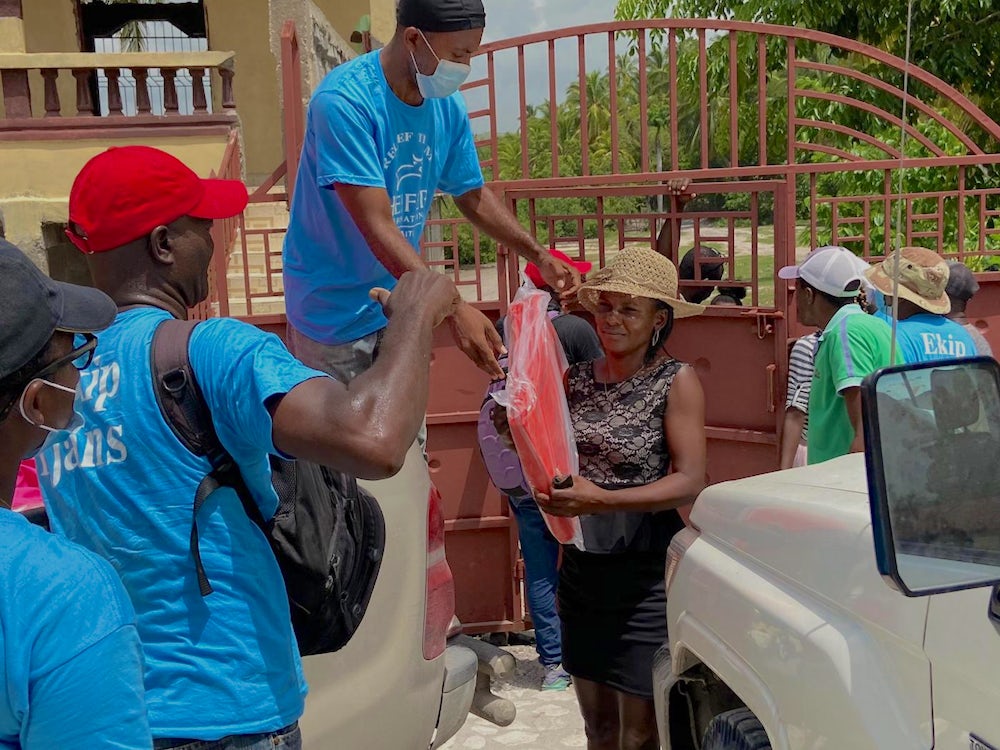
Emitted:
pixel 832 269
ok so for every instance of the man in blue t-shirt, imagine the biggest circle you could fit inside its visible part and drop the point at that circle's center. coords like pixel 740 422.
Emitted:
pixel 923 332
pixel 383 133
pixel 225 664
pixel 70 660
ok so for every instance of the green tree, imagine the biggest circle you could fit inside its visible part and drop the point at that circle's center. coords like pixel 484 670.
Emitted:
pixel 955 40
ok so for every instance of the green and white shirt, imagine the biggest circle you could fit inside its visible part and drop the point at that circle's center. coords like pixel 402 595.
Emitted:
pixel 852 346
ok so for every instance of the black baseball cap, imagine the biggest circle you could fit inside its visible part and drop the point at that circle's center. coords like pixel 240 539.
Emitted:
pixel 441 15
pixel 33 307
pixel 962 284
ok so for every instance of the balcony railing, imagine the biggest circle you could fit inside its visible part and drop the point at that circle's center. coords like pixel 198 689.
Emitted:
pixel 53 91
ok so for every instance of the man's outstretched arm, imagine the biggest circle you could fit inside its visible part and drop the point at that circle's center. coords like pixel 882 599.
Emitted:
pixel 371 211
pixel 484 209
pixel 366 428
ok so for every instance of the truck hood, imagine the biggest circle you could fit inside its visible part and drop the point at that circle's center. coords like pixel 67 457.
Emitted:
pixel 830 497
pixel 811 527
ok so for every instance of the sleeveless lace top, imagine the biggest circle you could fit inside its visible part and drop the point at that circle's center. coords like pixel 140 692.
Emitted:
pixel 622 443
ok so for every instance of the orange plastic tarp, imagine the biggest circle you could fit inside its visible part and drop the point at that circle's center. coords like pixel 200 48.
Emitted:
pixel 537 410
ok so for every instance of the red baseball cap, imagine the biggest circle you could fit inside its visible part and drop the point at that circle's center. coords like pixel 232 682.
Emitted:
pixel 535 275
pixel 126 192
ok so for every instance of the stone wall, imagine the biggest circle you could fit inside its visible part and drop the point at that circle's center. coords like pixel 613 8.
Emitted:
pixel 329 49
pixel 320 46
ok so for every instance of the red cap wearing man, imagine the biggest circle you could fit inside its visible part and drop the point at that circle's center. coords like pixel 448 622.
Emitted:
pixel 126 192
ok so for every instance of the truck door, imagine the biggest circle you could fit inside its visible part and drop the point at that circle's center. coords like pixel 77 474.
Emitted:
pixel 963 645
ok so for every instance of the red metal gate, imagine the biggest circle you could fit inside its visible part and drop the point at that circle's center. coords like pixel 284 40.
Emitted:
pixel 753 102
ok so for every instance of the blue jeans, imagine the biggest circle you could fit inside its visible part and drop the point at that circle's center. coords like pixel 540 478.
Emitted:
pixel 288 738
pixel 540 551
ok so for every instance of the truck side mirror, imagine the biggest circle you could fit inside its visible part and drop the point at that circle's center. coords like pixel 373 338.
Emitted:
pixel 932 448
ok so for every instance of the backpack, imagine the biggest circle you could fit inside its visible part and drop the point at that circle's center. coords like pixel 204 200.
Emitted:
pixel 502 463
pixel 327 535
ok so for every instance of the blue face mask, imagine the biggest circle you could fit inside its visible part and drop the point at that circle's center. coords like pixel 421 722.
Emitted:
pixel 56 434
pixel 446 79
pixel 878 299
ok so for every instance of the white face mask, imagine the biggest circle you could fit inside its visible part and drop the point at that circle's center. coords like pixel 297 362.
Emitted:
pixel 446 79
pixel 56 434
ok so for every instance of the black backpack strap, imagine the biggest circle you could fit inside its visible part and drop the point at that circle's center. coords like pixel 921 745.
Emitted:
pixel 184 408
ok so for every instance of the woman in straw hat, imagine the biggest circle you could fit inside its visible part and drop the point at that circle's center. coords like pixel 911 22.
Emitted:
pixel 639 418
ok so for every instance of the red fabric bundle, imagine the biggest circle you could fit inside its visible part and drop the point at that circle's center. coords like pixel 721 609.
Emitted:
pixel 537 409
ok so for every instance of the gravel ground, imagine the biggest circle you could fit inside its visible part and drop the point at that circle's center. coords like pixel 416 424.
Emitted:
pixel 544 720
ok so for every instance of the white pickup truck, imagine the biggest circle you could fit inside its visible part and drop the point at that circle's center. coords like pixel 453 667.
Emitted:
pixel 838 608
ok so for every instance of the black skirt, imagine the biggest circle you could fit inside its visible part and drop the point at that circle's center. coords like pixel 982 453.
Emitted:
pixel 613 609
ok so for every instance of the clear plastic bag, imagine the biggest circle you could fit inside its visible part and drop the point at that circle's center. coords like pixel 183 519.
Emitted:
pixel 536 402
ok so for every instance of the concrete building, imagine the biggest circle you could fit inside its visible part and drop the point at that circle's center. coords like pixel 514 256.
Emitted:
pixel 81 75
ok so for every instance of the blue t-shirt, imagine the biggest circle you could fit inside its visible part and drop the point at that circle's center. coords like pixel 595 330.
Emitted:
pixel 359 132
pixel 926 337
pixel 123 486
pixel 70 662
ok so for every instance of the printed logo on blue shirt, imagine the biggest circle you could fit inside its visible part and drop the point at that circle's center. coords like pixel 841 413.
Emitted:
pixel 936 345
pixel 90 447
pixel 407 159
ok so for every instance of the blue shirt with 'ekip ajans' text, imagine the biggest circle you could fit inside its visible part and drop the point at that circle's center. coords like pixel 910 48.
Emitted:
pixel 123 486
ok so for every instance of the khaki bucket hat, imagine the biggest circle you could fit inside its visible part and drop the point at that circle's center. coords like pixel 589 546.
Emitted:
pixel 923 278
pixel 639 272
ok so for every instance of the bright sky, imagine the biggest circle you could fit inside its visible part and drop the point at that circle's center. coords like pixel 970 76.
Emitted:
pixel 502 20
pixel 511 18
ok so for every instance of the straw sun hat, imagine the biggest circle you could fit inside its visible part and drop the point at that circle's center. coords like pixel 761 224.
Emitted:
pixel 639 272
pixel 923 278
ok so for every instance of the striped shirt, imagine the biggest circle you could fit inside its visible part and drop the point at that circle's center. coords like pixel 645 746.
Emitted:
pixel 800 375
pixel 983 348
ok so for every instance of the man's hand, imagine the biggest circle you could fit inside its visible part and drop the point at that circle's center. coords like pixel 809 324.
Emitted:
pixel 562 277
pixel 424 291
pixel 476 336
pixel 678 188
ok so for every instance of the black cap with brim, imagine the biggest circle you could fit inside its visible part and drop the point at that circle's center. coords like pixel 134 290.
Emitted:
pixel 33 307
pixel 962 284
pixel 441 15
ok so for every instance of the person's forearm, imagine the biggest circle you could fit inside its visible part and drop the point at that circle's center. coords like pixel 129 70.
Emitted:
pixel 791 436
pixel 852 400
pixel 371 212
pixel 673 491
pixel 397 384
pixel 669 239
pixel 858 444
pixel 393 251
pixel 484 209
pixel 366 428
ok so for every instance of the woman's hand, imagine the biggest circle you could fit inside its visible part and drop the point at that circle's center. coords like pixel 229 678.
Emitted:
pixel 581 498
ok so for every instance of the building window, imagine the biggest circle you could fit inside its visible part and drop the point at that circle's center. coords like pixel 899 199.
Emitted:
pixel 165 26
